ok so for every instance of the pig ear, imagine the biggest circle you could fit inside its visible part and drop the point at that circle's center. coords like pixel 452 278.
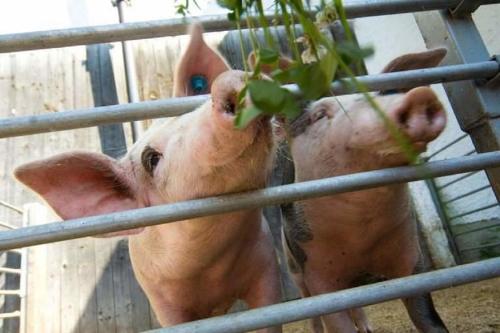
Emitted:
pixel 198 67
pixel 410 61
pixel 283 63
pixel 80 184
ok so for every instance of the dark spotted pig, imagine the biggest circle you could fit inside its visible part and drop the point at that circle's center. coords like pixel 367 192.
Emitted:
pixel 346 240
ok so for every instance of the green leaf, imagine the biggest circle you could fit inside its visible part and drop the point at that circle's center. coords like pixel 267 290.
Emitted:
pixel 231 16
pixel 268 96
pixel 351 52
pixel 230 4
pixel 291 108
pixel 245 116
pixel 268 56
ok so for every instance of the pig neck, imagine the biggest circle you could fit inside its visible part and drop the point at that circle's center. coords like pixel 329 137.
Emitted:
pixel 189 248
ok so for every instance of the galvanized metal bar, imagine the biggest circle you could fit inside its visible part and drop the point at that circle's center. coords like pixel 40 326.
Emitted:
pixel 456 180
pixel 480 247
pixel 476 229
pixel 474 211
pixel 131 219
pixel 8 205
pixel 10 270
pixel 7 225
pixel 13 314
pixel 440 150
pixel 475 103
pixel 342 300
pixel 464 195
pixel 178 26
pixel 431 184
pixel 130 74
pixel 176 106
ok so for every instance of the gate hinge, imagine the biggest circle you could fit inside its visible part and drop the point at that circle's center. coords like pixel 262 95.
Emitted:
pixel 494 82
pixel 465 7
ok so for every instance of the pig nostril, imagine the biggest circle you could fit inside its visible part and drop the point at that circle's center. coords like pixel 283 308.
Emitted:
pixel 403 118
pixel 430 113
pixel 229 107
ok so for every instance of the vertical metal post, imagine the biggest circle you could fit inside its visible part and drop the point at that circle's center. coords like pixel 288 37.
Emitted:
pixel 475 103
pixel 130 73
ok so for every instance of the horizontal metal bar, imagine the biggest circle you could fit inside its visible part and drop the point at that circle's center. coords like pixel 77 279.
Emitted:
pixel 10 270
pixel 7 225
pixel 474 211
pixel 446 146
pixel 8 205
pixel 458 197
pixel 9 292
pixel 16 126
pixel 480 247
pixel 10 315
pixel 178 26
pixel 456 180
pixel 469 231
pixel 184 210
pixel 342 300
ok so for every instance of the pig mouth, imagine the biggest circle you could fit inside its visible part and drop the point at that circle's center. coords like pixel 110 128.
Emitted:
pixel 419 146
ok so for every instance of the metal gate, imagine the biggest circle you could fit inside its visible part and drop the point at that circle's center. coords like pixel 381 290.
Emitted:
pixel 470 64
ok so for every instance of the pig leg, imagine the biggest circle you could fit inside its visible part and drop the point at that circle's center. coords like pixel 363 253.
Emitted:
pixel 169 315
pixel 315 324
pixel 266 290
pixel 423 314
pixel 360 320
pixel 339 322
pixel 421 308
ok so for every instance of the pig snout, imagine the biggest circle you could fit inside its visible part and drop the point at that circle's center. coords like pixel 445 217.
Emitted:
pixel 420 116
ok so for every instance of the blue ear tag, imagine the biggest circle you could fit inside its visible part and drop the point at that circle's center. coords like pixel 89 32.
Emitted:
pixel 199 84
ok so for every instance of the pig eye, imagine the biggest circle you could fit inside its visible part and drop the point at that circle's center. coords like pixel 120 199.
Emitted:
pixel 199 84
pixel 150 159
pixel 319 113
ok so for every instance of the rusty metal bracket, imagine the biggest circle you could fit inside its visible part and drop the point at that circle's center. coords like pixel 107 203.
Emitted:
pixel 465 7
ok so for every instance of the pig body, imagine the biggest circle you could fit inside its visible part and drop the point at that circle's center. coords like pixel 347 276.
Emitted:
pixel 189 269
pixel 347 240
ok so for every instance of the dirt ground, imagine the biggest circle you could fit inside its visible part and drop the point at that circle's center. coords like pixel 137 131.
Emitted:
pixel 473 308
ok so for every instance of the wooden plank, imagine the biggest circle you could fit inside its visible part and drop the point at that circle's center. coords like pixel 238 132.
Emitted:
pixel 53 288
pixel 87 321
pixel 37 270
pixel 70 288
pixel 140 304
pixel 123 299
pixel 104 290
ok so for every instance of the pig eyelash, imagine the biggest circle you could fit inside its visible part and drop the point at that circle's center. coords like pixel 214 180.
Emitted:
pixel 150 159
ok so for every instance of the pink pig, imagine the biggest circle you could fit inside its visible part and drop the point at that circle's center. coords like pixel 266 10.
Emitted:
pixel 196 268
pixel 350 239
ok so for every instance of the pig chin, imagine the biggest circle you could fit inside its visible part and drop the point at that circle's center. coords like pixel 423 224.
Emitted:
pixel 395 156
